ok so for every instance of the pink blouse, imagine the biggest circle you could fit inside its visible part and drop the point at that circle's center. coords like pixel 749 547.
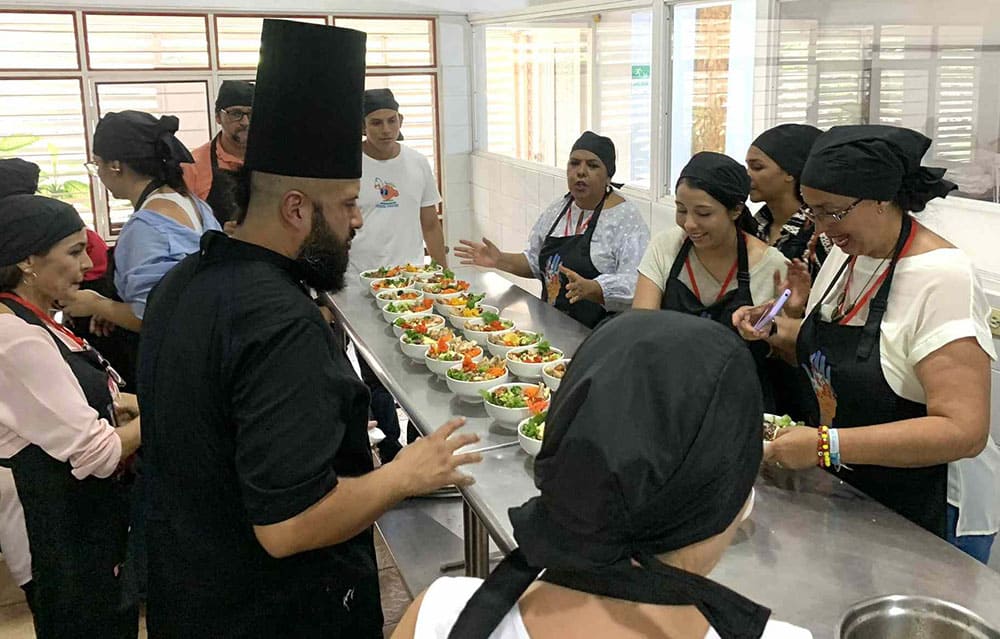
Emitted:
pixel 42 403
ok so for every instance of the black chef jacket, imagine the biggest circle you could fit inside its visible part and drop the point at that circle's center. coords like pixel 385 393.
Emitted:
pixel 250 412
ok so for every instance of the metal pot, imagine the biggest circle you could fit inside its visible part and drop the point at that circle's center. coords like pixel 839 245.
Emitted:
pixel 911 617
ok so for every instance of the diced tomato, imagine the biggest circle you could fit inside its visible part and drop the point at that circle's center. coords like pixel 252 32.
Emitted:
pixel 531 392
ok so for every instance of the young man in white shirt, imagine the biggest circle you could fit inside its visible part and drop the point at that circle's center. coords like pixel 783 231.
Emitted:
pixel 399 194
pixel 399 198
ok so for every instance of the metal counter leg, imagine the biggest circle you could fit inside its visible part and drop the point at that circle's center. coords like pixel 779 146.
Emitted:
pixel 477 543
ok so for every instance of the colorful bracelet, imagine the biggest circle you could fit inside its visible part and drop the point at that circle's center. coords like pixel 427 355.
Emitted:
pixel 835 448
pixel 823 447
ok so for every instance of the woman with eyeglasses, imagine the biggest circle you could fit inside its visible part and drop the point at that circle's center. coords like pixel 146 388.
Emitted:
pixel 895 340
pixel 138 158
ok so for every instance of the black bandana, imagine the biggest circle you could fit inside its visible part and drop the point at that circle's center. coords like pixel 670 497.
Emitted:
pixel 32 224
pixel 875 162
pixel 720 176
pixel 788 145
pixel 18 177
pixel 679 474
pixel 307 119
pixel 136 135
pixel 376 99
pixel 603 148
pixel 234 93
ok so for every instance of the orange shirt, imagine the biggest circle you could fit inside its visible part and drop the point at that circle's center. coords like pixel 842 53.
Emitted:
pixel 198 176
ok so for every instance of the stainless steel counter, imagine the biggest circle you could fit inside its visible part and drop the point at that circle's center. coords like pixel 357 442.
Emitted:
pixel 811 548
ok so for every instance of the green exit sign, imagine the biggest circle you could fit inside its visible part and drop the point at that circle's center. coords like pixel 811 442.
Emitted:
pixel 640 71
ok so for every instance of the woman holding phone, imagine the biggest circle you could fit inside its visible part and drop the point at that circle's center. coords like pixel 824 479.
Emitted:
pixel 895 341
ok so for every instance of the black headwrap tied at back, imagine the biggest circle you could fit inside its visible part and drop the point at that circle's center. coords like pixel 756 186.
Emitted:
pixel 680 472
pixel 720 176
pixel 136 135
pixel 603 148
pixel 18 177
pixel 33 224
pixel 788 145
pixel 875 162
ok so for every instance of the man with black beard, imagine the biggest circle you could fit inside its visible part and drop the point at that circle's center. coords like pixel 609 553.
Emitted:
pixel 261 489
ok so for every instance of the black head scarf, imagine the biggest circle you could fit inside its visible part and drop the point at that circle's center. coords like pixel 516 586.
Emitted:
pixel 18 177
pixel 234 93
pixel 788 145
pixel 875 162
pixel 603 148
pixel 720 176
pixel 136 135
pixel 676 471
pixel 376 99
pixel 32 224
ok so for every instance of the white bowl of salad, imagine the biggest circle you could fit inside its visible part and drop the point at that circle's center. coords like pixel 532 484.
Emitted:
pixel 459 316
pixel 419 322
pixel 469 299
pixel 444 354
pixel 389 283
pixel 395 310
pixel 381 273
pixel 528 362
pixel 478 330
pixel 774 423
pixel 421 271
pixel 552 374
pixel 414 344
pixel 445 289
pixel 512 403
pixel 500 344
pixel 530 433
pixel 385 297
pixel 468 378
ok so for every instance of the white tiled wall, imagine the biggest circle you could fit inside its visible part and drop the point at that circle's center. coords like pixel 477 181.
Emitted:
pixel 455 101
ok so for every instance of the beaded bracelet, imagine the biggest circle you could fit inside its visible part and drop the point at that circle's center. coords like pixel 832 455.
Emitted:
pixel 823 447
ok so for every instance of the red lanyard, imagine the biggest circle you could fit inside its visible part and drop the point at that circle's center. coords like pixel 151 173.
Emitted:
pixel 580 224
pixel 863 300
pixel 42 315
pixel 725 285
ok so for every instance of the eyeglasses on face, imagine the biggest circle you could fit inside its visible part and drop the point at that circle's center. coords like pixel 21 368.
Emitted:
pixel 235 115
pixel 835 216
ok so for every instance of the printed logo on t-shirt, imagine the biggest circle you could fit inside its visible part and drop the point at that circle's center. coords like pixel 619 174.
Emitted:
pixel 388 192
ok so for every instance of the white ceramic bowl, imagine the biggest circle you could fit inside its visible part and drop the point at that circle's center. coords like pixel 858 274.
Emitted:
pixel 442 296
pixel 480 337
pixel 527 371
pixel 507 416
pixel 415 352
pixel 499 350
pixel 425 275
pixel 404 281
pixel 384 298
pixel 458 321
pixel 469 391
pixel 440 368
pixel 433 323
pixel 529 445
pixel 391 317
pixel 553 382
pixel 366 281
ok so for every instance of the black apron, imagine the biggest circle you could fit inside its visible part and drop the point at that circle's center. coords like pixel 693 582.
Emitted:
pixel 77 529
pixel 864 397
pixel 220 196
pixel 678 297
pixel 574 253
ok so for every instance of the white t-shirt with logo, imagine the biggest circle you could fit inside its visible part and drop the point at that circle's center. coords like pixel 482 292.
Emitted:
pixel 392 194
